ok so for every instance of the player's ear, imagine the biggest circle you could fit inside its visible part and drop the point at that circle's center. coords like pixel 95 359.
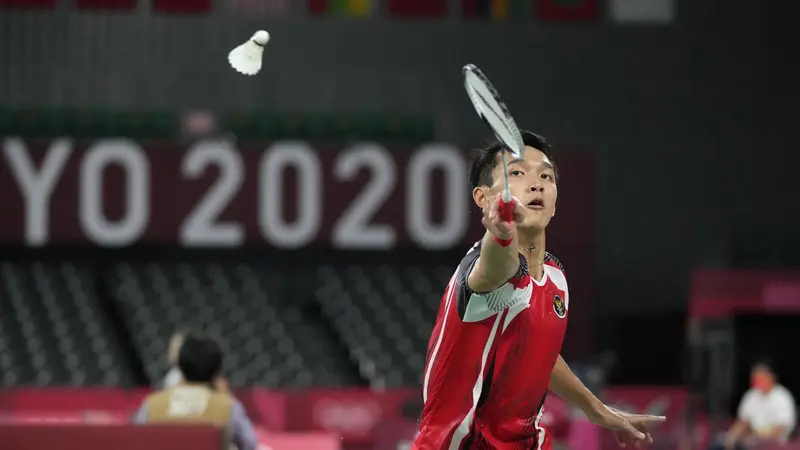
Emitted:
pixel 479 196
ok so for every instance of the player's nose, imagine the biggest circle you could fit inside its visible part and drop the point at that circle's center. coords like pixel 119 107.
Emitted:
pixel 536 185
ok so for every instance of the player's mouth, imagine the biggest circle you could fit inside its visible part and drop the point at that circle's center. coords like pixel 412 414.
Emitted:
pixel 536 203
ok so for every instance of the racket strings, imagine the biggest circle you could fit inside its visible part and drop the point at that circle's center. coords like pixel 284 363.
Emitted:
pixel 492 110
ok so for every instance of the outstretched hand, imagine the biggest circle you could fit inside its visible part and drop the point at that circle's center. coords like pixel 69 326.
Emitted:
pixel 627 426
pixel 493 221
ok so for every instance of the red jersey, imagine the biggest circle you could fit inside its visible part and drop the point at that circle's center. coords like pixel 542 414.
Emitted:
pixel 489 361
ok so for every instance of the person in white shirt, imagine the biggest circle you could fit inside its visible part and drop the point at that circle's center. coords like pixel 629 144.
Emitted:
pixel 766 413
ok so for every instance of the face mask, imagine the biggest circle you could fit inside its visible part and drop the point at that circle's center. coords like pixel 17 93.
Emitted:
pixel 761 382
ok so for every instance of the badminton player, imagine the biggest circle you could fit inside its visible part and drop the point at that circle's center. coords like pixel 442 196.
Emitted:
pixel 495 349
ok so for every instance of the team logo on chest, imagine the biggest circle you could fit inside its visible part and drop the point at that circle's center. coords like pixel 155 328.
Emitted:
pixel 559 307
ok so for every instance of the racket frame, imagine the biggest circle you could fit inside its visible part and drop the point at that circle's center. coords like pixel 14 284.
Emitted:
pixel 516 146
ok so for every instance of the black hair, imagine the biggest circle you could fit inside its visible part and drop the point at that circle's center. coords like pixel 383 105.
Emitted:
pixel 200 358
pixel 480 171
pixel 765 363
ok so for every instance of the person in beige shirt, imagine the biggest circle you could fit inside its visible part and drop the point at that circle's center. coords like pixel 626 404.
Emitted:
pixel 195 400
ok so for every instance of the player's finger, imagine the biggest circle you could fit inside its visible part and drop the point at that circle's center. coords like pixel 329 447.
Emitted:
pixel 646 418
pixel 635 434
pixel 487 211
pixel 494 218
pixel 491 226
pixel 502 209
pixel 496 201
pixel 507 226
pixel 503 228
pixel 620 439
pixel 495 226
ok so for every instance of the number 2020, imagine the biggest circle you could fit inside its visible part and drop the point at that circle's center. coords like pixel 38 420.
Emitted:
pixel 353 228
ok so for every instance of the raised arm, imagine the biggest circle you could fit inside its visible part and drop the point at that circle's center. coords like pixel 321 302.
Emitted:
pixel 499 256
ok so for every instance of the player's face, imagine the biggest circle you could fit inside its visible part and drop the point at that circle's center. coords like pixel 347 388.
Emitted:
pixel 532 181
pixel 762 378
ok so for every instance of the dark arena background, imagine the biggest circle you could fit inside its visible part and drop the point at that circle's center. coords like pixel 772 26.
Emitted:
pixel 310 216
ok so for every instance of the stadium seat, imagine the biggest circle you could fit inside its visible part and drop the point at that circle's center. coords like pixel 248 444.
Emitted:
pixel 266 332
pixel 385 315
pixel 281 325
pixel 53 331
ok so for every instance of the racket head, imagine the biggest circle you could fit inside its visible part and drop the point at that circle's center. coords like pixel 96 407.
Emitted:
pixel 492 110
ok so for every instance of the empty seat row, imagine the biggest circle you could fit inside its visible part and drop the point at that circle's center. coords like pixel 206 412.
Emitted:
pixel 280 326
pixel 53 331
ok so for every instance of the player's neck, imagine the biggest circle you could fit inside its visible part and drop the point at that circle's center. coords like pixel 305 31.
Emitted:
pixel 531 245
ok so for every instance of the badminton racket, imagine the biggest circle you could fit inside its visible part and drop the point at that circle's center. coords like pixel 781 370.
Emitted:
pixel 496 116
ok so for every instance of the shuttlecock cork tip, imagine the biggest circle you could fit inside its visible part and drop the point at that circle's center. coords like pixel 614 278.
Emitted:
pixel 261 37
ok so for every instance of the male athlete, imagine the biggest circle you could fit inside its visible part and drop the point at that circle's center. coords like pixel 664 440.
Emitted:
pixel 495 349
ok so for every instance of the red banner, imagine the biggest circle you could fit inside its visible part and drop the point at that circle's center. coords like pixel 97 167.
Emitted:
pixel 299 441
pixel 118 437
pixel 669 401
pixel 118 192
pixel 355 414
pixel 314 419
pixel 377 418
pixel 724 292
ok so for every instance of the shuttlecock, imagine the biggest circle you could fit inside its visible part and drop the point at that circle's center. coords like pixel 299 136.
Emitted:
pixel 246 58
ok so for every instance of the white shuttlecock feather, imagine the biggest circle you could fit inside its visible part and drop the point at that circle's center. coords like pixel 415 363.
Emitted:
pixel 246 58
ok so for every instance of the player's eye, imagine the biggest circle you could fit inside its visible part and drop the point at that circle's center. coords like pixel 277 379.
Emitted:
pixel 547 176
pixel 517 173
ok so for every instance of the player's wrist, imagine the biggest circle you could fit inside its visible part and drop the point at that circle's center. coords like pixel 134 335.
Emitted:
pixel 503 242
pixel 595 410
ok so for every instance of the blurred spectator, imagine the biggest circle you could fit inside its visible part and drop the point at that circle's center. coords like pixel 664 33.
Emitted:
pixel 766 413
pixel 195 400
pixel 174 376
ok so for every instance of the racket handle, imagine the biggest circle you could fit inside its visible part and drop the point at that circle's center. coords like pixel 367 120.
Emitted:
pixel 506 209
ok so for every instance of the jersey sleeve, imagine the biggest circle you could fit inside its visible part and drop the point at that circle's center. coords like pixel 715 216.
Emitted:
pixel 477 306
